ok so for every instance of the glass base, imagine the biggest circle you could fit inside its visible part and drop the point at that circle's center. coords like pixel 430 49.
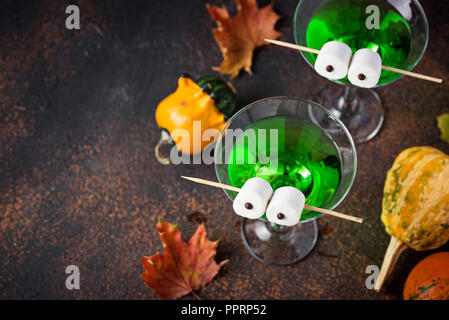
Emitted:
pixel 359 109
pixel 273 244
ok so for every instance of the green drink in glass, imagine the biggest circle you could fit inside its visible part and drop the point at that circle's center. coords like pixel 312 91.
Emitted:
pixel 392 41
pixel 306 159
pixel 396 29
pixel 288 142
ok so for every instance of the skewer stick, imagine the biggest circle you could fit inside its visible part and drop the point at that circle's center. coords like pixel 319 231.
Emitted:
pixel 404 72
pixel 413 74
pixel 292 46
pixel 228 187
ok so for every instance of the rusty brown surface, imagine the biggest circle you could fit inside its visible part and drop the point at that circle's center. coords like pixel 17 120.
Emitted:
pixel 79 183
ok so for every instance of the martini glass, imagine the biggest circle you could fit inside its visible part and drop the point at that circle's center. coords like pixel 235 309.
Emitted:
pixel 288 142
pixel 400 39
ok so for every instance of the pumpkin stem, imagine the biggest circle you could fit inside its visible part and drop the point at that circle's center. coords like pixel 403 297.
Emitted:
pixel 164 140
pixel 394 250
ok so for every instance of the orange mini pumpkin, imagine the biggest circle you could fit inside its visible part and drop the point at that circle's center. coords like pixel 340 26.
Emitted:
pixel 429 279
pixel 210 101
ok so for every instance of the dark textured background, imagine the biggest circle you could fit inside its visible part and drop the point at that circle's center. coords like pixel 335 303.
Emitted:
pixel 79 183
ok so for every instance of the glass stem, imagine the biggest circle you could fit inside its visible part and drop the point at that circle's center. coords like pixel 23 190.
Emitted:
pixel 346 104
pixel 277 228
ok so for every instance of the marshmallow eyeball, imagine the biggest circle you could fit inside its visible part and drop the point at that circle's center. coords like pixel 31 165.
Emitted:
pixel 286 206
pixel 365 68
pixel 252 200
pixel 333 60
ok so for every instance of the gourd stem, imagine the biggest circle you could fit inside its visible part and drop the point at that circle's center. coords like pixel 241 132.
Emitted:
pixel 394 250
pixel 164 140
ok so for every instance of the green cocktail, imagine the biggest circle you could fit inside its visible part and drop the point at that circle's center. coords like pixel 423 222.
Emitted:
pixel 307 159
pixel 345 21
pixel 396 29
pixel 289 142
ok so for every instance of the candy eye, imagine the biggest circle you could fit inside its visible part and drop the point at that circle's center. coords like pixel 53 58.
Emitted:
pixel 365 68
pixel 333 60
pixel 286 206
pixel 251 202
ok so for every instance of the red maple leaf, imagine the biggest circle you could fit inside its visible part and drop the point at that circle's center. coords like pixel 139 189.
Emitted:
pixel 184 267
pixel 238 36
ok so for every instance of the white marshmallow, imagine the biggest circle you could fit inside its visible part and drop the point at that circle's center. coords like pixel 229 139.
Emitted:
pixel 333 60
pixel 251 202
pixel 403 6
pixel 365 68
pixel 286 206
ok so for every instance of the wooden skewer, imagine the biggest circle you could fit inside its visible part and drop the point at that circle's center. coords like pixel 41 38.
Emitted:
pixel 228 187
pixel 404 72
pixel 413 74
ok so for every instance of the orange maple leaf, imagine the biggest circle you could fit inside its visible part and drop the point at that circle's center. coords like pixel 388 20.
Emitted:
pixel 184 267
pixel 238 36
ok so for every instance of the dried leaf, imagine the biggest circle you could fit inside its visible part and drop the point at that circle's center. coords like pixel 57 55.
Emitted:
pixel 443 124
pixel 238 36
pixel 184 267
